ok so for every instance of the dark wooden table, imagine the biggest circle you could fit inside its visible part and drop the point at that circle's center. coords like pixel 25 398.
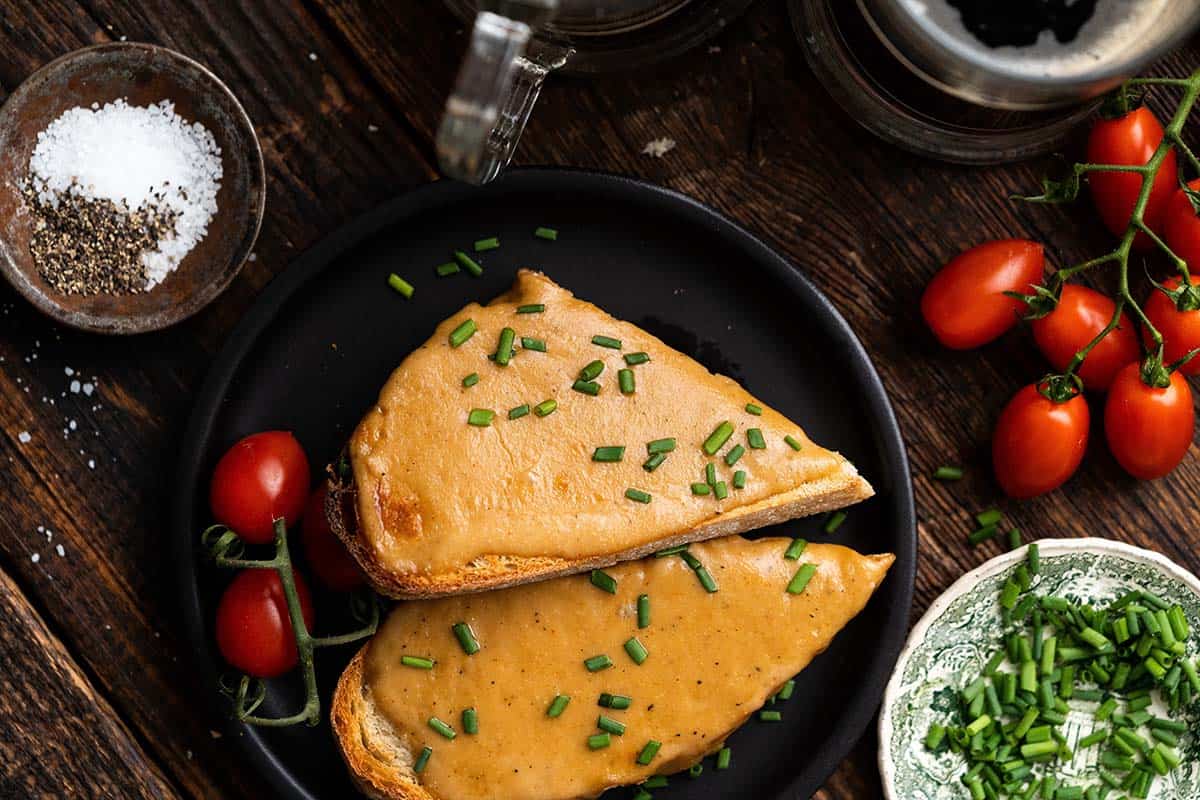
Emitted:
pixel 94 697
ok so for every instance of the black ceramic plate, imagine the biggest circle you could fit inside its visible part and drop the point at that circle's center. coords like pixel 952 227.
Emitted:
pixel 314 350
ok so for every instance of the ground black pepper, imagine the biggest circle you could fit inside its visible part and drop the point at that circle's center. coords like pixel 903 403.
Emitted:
pixel 1018 23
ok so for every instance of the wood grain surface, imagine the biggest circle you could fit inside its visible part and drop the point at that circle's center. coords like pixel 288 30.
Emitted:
pixel 96 695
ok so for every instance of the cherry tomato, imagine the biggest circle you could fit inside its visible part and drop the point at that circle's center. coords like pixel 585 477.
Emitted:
pixel 254 631
pixel 261 478
pixel 1180 329
pixel 1181 227
pixel 1080 315
pixel 1038 443
pixel 1148 429
pixel 327 556
pixel 1130 140
pixel 965 305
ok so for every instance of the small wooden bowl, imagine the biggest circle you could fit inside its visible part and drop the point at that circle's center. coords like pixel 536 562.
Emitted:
pixel 142 74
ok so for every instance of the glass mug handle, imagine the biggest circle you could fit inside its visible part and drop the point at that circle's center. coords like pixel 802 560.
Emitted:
pixel 493 97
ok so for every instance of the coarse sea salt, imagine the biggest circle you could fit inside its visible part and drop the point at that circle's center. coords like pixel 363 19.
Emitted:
pixel 136 156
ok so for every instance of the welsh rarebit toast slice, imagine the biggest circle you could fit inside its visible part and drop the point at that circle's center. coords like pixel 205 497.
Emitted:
pixel 512 447
pixel 704 662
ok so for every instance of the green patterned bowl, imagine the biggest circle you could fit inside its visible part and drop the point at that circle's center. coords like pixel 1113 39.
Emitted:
pixel 961 630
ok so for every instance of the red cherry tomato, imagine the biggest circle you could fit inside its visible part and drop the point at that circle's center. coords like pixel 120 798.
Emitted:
pixel 1180 329
pixel 1130 140
pixel 1038 443
pixel 327 556
pixel 965 305
pixel 260 479
pixel 1181 226
pixel 1080 315
pixel 254 631
pixel 1148 429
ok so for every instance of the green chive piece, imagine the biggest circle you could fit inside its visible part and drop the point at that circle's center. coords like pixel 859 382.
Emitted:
pixel 519 411
pixel 643 611
pixel 720 490
pixel 785 692
pixel 549 234
pixel 799 581
pixel 470 380
pixel 739 479
pixel 599 741
pixel 422 760
pixel 480 417
pixel 678 549
pixel 470 721
pixel 637 495
pixel 1014 539
pixel 606 341
pixel 586 387
pixel 701 488
pixel 504 348
pixel 982 535
pixel 610 725
pixel 717 439
pixel 795 549
pixel 948 474
pixel 468 263
pixel 442 728
pixel 633 359
pixel 529 343
pixel 660 446
pixel 791 442
pixel 649 751
pixel 654 462
pixel 603 581
pixel 483 245
pixel 754 437
pixel 753 409
pixel 618 702
pixel 557 706
pixel 706 580
pixel 834 521
pixel 608 453
pixel 710 474
pixel 531 308
pixel 724 755
pixel 545 408
pixel 990 517
pixel 403 287
pixel 636 650
pixel 770 716
pixel 462 333
pixel 1035 559
pixel 466 638
pixel 735 453
pixel 695 770
pixel 591 371
pixel 626 381
pixel 446 269
pixel 417 662
pixel 597 663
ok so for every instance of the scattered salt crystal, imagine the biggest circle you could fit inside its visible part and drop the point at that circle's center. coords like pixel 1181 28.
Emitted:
pixel 69 372
pixel 35 558
pixel 88 388
pixel 75 386
pixel 658 147
pixel 23 437
pixel 58 548
pixel 372 129
pixel 312 56
pixel 71 424
pixel 253 257
pixel 91 463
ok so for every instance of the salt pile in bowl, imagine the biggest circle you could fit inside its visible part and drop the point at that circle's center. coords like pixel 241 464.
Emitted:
pixel 141 158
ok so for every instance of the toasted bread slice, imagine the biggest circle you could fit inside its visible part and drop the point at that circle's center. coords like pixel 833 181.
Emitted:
pixel 434 506
pixel 712 659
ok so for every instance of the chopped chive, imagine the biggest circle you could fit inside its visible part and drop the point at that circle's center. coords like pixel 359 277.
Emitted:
pixel 418 662
pixel 597 663
pixel 1014 539
pixel 739 479
pixel 603 581
pixel 606 341
pixel 791 442
pixel 643 611
pixel 654 462
pixel 753 409
pixel 795 549
pixel 529 343
pixel 636 650
pixel 678 549
pixel 545 408
pixel 717 439
pixel 531 308
pixel 990 517
pixel 982 535
pixel 422 760
pixel 608 453
pixel 610 725
pixel 448 268
pixel 586 387
pixel 660 446
pixel 834 521
pixel 519 411
pixel 770 716
pixel 948 474
pixel 470 721
pixel 626 381
pixel 754 437
pixel 695 770
pixel 483 245
pixel 720 490
pixel 549 234
pixel 723 758
pixel 618 702
pixel 1034 557
pixel 466 638
pixel 701 488
pixel 468 263
pixel 706 580
pixel 710 474
pixel 735 453
pixel 470 380
pixel 462 333
pixel 403 287
pixel 442 728
pixel 633 359
pixel 648 752
pixel 480 417
pixel 689 559
pixel 558 705
pixel 504 348
pixel 799 581
pixel 785 692
pixel 656 782
pixel 599 741
pixel 591 371
pixel 637 495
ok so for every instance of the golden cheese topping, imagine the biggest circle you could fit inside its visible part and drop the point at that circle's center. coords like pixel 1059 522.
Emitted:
pixel 436 493
pixel 713 659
